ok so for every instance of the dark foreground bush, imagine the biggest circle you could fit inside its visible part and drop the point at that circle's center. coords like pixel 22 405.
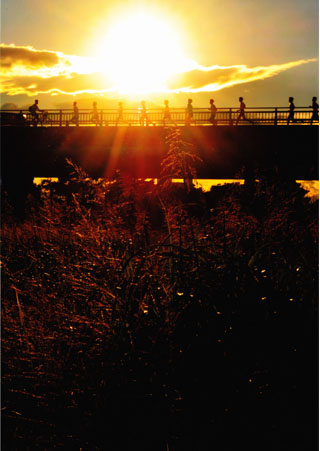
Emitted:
pixel 144 317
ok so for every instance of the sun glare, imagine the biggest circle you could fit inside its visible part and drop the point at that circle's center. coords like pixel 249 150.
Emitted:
pixel 140 53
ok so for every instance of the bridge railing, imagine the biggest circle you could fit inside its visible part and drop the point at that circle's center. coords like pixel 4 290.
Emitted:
pixel 133 117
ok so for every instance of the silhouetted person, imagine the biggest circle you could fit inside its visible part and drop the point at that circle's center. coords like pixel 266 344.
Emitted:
pixel 34 112
pixel 189 112
pixel 143 113
pixel 315 110
pixel 166 113
pixel 75 117
pixel 120 113
pixel 291 111
pixel 241 112
pixel 213 110
pixel 95 115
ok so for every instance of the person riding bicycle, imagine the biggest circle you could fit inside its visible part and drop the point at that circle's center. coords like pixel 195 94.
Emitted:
pixel 34 112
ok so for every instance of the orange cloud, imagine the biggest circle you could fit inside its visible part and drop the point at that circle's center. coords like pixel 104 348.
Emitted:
pixel 25 70
pixel 19 61
pixel 74 84
pixel 215 78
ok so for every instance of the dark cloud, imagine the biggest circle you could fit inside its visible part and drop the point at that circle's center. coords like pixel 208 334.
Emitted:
pixel 26 56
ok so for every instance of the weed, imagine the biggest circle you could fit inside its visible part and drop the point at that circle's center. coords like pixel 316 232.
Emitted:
pixel 152 313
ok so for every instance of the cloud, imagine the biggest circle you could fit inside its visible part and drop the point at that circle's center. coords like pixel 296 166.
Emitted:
pixel 12 55
pixel 76 84
pixel 26 61
pixel 215 78
pixel 25 70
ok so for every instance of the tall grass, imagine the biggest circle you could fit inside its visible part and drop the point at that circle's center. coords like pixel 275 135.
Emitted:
pixel 142 316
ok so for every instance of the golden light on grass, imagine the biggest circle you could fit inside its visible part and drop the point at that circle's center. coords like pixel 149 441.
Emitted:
pixel 311 186
pixel 140 52
pixel 39 180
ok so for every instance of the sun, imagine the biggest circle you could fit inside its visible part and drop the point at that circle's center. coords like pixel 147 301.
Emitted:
pixel 140 53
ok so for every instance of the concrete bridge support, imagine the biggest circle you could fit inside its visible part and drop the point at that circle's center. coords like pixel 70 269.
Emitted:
pixel 28 152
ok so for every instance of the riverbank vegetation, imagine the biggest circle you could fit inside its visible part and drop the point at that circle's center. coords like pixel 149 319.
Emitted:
pixel 160 317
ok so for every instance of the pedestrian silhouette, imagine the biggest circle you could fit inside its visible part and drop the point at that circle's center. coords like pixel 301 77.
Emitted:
pixel 189 112
pixel 143 113
pixel 95 115
pixel 120 113
pixel 315 110
pixel 166 113
pixel 75 117
pixel 241 112
pixel 34 112
pixel 213 110
pixel 291 111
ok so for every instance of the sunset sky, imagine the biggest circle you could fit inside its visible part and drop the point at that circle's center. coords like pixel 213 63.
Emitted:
pixel 65 50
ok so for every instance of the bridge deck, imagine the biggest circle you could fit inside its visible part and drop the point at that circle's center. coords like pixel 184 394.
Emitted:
pixel 139 151
pixel 155 117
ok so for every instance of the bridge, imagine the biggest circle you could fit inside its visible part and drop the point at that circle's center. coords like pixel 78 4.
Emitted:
pixel 28 152
pixel 155 117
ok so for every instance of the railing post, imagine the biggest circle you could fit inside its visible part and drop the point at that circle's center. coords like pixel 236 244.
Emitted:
pixel 276 116
pixel 60 118
pixel 230 116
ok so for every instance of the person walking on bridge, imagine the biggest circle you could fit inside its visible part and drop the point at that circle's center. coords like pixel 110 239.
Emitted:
pixel 143 113
pixel 291 111
pixel 75 117
pixel 95 115
pixel 315 110
pixel 189 112
pixel 166 113
pixel 213 110
pixel 241 112
pixel 120 113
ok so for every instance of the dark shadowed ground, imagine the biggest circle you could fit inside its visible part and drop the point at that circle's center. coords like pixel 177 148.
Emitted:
pixel 159 317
